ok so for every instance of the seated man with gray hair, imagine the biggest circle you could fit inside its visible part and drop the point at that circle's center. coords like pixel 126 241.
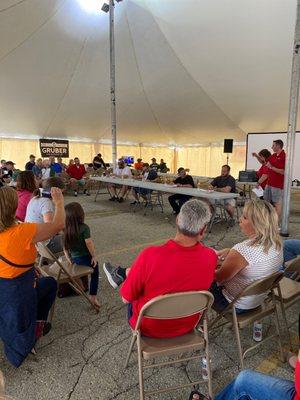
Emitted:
pixel 181 264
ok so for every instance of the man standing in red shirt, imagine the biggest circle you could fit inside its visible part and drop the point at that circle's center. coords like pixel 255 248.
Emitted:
pixel 77 172
pixel 182 264
pixel 276 164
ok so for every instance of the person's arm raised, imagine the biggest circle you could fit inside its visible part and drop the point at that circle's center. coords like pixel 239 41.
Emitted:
pixel 47 230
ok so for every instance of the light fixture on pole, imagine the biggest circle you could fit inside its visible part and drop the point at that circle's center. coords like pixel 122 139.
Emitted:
pixel 111 9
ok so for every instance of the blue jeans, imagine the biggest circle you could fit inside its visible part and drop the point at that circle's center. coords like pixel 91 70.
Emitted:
pixel 291 249
pixel 251 385
pixel 46 292
pixel 221 302
pixel 86 260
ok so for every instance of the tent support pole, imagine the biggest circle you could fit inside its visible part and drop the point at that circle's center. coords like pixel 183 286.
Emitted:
pixel 292 122
pixel 113 82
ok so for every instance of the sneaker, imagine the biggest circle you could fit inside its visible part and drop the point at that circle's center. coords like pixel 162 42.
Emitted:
pixel 133 203
pixel 113 277
pixel 87 193
pixel 114 198
pixel 120 199
pixel 75 193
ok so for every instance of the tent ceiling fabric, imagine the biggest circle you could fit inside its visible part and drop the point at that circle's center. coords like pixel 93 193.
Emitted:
pixel 192 71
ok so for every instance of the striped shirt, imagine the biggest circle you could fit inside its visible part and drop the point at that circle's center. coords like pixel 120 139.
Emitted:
pixel 260 265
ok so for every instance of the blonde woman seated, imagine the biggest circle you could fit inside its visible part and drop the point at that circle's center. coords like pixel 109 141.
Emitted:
pixel 257 257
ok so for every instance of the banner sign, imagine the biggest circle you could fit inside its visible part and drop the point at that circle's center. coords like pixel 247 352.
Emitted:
pixel 57 148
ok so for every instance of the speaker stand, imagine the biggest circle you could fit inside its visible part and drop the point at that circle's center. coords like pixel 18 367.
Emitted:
pixel 227 159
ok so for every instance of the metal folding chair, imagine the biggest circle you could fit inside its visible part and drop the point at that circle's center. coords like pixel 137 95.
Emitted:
pixel 177 305
pixel 239 321
pixel 63 274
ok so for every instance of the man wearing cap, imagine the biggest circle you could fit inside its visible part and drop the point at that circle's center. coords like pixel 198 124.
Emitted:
pixel 154 164
pixel 31 163
pixel 184 180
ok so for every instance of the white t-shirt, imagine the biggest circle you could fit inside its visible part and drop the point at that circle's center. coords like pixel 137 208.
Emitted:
pixel 46 173
pixel 37 207
pixel 260 265
pixel 122 171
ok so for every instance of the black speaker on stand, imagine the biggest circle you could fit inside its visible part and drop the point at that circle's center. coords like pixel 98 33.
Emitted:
pixel 228 146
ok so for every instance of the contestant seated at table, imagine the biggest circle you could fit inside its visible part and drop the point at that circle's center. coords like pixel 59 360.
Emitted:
pixel 225 183
pixel 78 177
pixel 138 166
pixel 186 181
pixel 122 171
pixel 147 175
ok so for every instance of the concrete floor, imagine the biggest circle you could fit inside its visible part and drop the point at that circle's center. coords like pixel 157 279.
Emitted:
pixel 83 356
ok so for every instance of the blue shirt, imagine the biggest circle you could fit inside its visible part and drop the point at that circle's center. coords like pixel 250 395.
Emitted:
pixel 57 168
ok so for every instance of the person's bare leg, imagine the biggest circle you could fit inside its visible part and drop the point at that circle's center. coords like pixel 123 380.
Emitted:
pixel 230 209
pixel 278 210
pixel 123 191
pixel 112 190
pixel 135 195
pixel 88 184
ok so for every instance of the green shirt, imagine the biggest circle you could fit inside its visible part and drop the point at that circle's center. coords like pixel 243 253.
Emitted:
pixel 79 248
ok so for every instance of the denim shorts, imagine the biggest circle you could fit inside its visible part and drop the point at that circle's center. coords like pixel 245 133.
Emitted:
pixel 272 194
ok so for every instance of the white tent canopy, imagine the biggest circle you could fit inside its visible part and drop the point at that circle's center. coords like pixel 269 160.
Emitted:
pixel 192 71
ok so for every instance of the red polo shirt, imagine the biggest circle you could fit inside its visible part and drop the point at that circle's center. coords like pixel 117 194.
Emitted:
pixel 76 171
pixel 263 170
pixel 297 381
pixel 166 269
pixel 274 178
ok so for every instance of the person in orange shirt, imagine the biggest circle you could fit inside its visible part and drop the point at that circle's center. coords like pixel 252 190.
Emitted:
pixel 139 164
pixel 24 300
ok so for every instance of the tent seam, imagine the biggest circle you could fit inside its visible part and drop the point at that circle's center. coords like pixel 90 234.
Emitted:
pixel 140 76
pixel 33 33
pixel 189 74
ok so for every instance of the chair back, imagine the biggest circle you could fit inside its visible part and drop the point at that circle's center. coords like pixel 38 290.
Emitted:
pixel 44 251
pixel 176 305
pixel 262 286
pixel 293 266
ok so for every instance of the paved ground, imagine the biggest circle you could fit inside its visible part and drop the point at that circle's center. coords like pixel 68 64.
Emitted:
pixel 82 357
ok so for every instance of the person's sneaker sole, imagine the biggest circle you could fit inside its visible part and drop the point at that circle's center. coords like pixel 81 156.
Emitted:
pixel 109 277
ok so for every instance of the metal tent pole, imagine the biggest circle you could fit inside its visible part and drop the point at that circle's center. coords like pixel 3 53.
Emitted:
pixel 113 82
pixel 292 122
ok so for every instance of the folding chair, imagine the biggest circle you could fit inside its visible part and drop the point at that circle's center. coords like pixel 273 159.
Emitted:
pixel 64 274
pixel 288 291
pixel 154 198
pixel 265 285
pixel 177 305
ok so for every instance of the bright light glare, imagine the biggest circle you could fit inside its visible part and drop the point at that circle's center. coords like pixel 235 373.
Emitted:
pixel 91 6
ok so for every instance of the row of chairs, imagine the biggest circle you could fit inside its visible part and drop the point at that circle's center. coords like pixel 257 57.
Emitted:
pixel 282 290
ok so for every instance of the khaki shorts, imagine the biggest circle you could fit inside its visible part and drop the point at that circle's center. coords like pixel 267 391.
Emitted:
pixel 272 194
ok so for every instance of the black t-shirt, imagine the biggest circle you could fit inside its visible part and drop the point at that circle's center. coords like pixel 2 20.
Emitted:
pixel 223 181
pixel 187 180
pixel 154 166
pixel 152 174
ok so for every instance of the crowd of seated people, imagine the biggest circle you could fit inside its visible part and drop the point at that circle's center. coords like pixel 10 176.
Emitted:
pixel 157 270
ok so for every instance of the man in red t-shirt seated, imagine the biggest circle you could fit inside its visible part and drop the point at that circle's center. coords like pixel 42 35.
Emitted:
pixel 77 174
pixel 182 264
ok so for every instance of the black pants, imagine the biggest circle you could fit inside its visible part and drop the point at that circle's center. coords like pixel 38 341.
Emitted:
pixel 177 201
